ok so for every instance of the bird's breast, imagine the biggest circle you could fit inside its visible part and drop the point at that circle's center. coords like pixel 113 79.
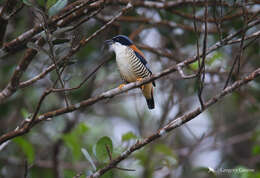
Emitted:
pixel 124 65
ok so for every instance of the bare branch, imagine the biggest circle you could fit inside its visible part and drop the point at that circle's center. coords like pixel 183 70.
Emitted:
pixel 201 72
pixel 84 81
pixel 176 123
pixel 91 101
pixel 25 169
pixel 240 53
pixel 13 84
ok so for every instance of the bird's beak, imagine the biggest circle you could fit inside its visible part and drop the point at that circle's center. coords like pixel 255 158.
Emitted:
pixel 109 42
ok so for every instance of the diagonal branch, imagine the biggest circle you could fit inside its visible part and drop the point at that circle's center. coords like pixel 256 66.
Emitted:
pixel 175 123
pixel 91 101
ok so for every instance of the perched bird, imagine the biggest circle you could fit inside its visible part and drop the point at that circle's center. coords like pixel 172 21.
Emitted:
pixel 132 65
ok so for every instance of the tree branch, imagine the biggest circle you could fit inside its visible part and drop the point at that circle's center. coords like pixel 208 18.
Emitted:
pixel 114 92
pixel 65 17
pixel 13 84
pixel 175 123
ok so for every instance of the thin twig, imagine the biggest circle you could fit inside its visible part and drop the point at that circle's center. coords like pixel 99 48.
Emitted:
pixel 218 21
pixel 110 158
pixel 52 55
pixel 109 152
pixel 84 81
pixel 201 73
pixel 25 169
pixel 240 53
pixel 180 70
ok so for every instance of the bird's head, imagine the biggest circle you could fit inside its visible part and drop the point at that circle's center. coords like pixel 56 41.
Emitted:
pixel 119 41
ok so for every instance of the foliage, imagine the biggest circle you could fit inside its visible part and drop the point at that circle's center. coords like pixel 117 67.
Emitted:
pixel 102 147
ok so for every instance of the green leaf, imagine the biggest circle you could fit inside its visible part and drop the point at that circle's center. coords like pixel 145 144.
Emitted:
pixel 69 173
pixel 142 156
pixel 108 174
pixel 81 129
pixel 254 174
pixel 57 7
pixel 101 150
pixel 256 150
pixel 162 148
pixel 50 3
pixel 128 136
pixel 25 113
pixel 41 2
pixel 194 65
pixel 27 2
pixel 27 148
pixel 73 140
pixel 216 56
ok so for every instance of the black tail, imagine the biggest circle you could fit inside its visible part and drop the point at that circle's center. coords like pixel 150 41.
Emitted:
pixel 150 103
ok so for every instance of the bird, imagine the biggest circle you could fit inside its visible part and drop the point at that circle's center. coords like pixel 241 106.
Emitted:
pixel 132 65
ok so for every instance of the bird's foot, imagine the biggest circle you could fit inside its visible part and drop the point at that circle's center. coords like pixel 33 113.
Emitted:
pixel 139 80
pixel 121 86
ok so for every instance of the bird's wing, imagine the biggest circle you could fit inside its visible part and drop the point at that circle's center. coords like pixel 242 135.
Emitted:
pixel 138 51
pixel 144 62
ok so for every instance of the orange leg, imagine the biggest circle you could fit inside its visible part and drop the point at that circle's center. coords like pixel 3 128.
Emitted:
pixel 140 79
pixel 121 86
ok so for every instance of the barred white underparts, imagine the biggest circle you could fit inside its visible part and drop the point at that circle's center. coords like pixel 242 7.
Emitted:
pixel 138 67
pixel 131 65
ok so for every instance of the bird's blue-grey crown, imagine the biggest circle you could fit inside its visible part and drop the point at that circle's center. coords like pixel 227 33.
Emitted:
pixel 122 39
